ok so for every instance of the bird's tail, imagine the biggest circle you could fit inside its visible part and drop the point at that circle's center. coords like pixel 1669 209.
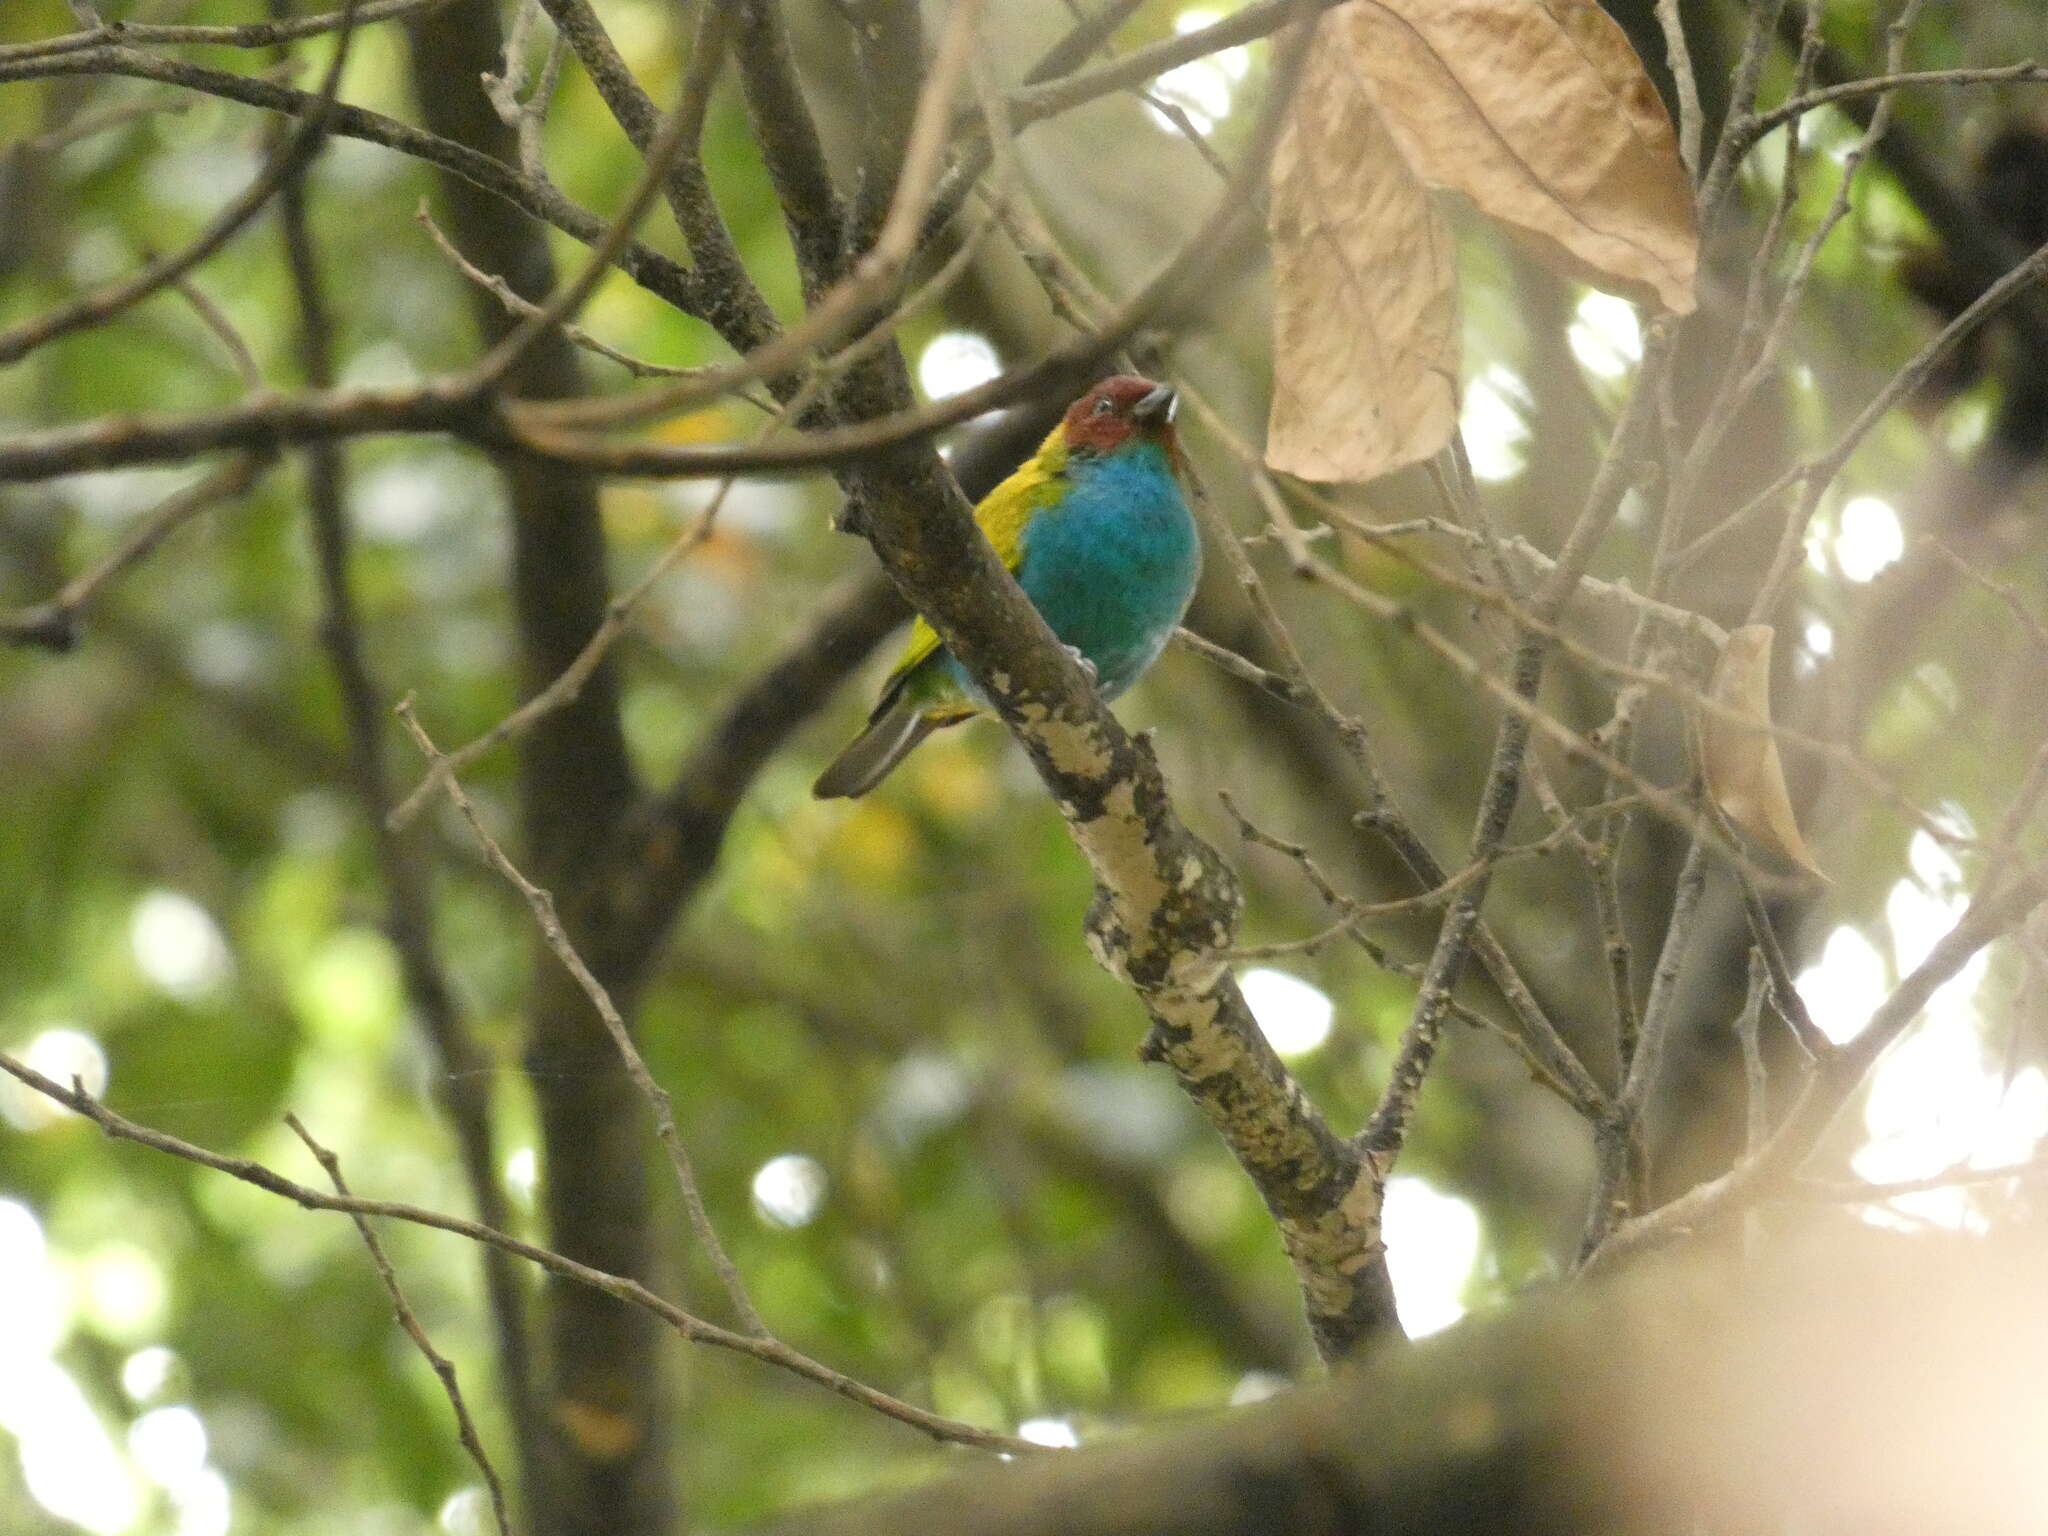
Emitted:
pixel 898 726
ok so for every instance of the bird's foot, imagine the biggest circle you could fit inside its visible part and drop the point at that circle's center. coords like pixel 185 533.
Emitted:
pixel 1084 663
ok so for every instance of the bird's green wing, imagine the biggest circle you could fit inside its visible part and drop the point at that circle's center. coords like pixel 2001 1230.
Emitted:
pixel 1004 514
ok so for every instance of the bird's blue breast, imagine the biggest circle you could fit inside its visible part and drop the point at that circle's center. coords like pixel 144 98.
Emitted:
pixel 1113 563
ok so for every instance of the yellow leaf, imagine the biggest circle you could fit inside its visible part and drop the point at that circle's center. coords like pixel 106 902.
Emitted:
pixel 1538 111
pixel 1740 761
pixel 1365 345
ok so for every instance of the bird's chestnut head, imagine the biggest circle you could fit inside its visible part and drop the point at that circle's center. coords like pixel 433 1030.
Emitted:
pixel 1119 410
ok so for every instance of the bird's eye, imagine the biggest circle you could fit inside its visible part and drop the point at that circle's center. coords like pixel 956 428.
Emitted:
pixel 1103 406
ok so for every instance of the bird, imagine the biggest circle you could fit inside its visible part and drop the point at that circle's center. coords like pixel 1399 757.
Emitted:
pixel 1096 531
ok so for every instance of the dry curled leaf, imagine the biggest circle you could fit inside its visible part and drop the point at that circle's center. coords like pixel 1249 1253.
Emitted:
pixel 1365 344
pixel 1740 761
pixel 1540 112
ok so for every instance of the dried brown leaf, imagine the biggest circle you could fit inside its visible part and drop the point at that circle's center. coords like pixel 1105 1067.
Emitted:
pixel 1740 761
pixel 1365 345
pixel 1540 112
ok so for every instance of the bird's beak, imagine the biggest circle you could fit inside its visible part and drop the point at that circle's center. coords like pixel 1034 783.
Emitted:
pixel 1156 409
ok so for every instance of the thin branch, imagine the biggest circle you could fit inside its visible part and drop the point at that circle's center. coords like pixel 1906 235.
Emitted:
pixel 1514 1039
pixel 1678 55
pixel 1281 687
pixel 248 34
pixel 687 1325
pixel 54 625
pixel 1756 1117
pixel 543 905
pixel 215 319
pixel 520 308
pixel 873 279
pixel 681 130
pixel 526 114
pixel 1387 1131
pixel 1728 156
pixel 1816 473
pixel 288 160
pixel 1989 916
pixel 660 275
pixel 1860 1192
pixel 2037 631
pixel 1754 128
pixel 568 684
pixel 443 1367
pixel 1785 998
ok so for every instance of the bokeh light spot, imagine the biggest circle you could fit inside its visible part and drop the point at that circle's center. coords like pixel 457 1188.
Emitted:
pixel 1869 538
pixel 1204 88
pixel 178 946
pixel 146 1372
pixel 1054 1432
pixel 1495 426
pixel 1843 988
pixel 788 1190
pixel 954 362
pixel 1605 335
pixel 1293 1015
pixel 1432 1243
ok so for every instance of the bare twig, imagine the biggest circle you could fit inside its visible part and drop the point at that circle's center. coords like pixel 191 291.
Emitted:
pixel 1785 998
pixel 679 132
pixel 443 1367
pixel 2024 72
pixel 286 162
pixel 1989 916
pixel 685 1324
pixel 1679 56
pixel 1815 474
pixel 1757 1106
pixel 215 319
pixel 248 34
pixel 2037 631
pixel 520 308
pixel 522 110
pixel 872 280
pixel 543 905
pixel 569 683
pixel 661 275
pixel 55 624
